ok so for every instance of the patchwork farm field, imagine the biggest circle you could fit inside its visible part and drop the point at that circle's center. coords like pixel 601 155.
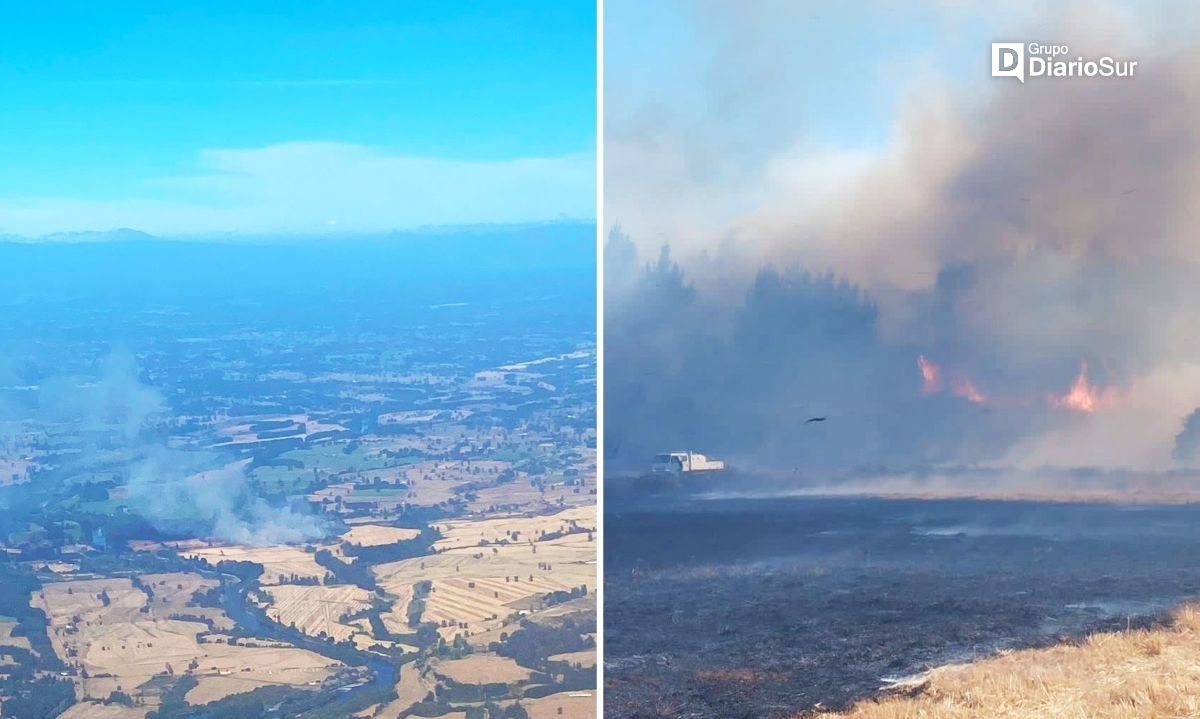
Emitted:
pixel 226 504
pixel 280 562
pixel 482 669
pixel 513 530
pixel 318 610
pixel 475 588
pixel 119 637
pixel 373 535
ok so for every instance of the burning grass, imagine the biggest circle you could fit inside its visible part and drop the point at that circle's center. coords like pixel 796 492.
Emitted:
pixel 1151 673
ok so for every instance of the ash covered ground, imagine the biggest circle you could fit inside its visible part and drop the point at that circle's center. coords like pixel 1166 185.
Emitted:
pixel 767 607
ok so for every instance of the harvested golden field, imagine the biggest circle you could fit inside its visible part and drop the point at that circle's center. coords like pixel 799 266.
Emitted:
pixel 514 530
pixel 96 710
pixel 8 640
pixel 551 616
pixel 173 591
pixel 83 602
pixel 317 610
pixel 1140 674
pixel 482 669
pixel 411 687
pixel 121 638
pixel 585 658
pixel 482 586
pixel 396 620
pixel 564 705
pixel 14 470
pixel 433 482
pixel 371 535
pixel 278 561
pixel 524 497
pixel 179 545
pixel 482 604
pixel 247 671
pixel 61 567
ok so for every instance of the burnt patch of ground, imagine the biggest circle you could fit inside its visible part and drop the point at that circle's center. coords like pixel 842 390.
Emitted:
pixel 765 608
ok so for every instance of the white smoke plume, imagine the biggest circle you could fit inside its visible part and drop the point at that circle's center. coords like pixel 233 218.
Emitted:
pixel 220 499
pixel 162 484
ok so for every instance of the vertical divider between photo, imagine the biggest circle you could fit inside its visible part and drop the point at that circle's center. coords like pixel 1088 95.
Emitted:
pixel 600 532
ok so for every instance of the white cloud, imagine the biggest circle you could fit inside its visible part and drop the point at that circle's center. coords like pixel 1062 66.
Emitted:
pixel 312 186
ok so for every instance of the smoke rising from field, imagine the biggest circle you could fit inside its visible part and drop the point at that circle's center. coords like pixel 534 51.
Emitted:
pixel 123 416
pixel 220 498
pixel 1036 243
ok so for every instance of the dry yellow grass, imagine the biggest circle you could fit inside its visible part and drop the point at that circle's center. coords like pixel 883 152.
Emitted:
pixel 317 610
pixel 1141 674
pixel 279 560
pixel 411 687
pixel 173 593
pixel 61 567
pixel 8 640
pixel 527 498
pixel 584 658
pixel 482 586
pixel 482 669
pixel 96 710
pixel 565 705
pixel 14 470
pixel 514 530
pixel 121 646
pixel 432 482
pixel 371 535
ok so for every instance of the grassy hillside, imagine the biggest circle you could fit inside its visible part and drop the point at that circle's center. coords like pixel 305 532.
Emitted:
pixel 1152 673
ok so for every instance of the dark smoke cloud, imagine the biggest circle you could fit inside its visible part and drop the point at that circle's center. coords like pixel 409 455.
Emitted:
pixel 1187 442
pixel 1011 233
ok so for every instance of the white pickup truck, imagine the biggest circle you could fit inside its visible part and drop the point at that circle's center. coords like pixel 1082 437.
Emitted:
pixel 680 462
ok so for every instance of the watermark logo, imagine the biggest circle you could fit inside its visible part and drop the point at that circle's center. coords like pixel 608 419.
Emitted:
pixel 1038 60
pixel 1008 60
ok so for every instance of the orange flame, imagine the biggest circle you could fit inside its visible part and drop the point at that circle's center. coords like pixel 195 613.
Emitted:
pixel 1083 395
pixel 962 386
pixel 931 376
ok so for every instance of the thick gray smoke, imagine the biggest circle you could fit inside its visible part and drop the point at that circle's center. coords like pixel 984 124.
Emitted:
pixel 1033 244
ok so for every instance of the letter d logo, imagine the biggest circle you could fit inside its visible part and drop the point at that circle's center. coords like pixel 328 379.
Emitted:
pixel 1008 60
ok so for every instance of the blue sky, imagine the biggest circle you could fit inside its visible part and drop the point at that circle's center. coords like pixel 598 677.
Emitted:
pixel 193 118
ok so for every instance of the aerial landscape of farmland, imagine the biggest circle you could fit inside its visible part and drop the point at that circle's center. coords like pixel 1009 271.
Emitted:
pixel 299 480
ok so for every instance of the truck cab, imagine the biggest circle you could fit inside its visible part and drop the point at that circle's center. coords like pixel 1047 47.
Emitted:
pixel 684 461
pixel 668 463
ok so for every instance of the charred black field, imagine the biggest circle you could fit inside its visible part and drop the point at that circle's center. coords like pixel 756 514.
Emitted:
pixel 734 607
